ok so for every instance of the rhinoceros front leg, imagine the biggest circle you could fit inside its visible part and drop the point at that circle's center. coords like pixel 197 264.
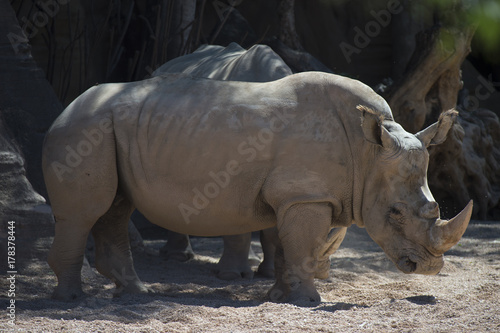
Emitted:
pixel 234 261
pixel 113 254
pixel 303 232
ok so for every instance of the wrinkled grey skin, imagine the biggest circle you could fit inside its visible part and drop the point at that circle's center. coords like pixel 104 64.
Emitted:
pixel 211 158
pixel 234 63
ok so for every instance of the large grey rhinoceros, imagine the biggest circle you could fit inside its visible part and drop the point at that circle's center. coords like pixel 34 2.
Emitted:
pixel 306 153
pixel 257 64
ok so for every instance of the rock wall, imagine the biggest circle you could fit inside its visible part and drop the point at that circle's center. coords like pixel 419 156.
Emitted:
pixel 467 165
pixel 30 219
pixel 28 106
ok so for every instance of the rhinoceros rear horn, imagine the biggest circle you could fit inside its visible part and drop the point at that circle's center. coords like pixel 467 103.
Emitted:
pixel 444 234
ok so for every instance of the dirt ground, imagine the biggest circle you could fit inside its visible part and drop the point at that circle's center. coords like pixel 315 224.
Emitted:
pixel 365 293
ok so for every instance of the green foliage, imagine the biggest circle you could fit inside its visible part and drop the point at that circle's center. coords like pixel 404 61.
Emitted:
pixel 482 14
pixel 486 15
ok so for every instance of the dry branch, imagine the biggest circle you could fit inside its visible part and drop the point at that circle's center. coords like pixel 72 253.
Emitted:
pixel 432 80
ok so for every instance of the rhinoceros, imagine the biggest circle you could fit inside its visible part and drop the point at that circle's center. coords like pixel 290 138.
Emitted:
pixel 232 63
pixel 257 64
pixel 307 153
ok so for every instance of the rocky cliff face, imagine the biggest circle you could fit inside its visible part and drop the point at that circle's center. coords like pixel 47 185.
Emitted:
pixel 20 205
pixel 28 106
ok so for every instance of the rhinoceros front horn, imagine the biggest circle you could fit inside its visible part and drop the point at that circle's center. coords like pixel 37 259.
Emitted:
pixel 446 233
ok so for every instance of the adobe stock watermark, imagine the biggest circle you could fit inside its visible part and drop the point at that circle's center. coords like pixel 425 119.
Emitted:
pixel 47 9
pixel 482 92
pixel 372 29
pixel 11 277
pixel 249 150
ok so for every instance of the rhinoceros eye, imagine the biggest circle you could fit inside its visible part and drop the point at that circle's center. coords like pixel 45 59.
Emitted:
pixel 395 215
pixel 395 211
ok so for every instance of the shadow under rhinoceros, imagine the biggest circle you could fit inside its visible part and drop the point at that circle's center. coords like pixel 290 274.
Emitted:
pixel 125 309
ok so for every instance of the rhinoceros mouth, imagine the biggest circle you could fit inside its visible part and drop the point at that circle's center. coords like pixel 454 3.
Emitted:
pixel 406 265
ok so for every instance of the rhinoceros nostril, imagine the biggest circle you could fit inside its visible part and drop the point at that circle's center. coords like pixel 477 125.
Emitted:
pixel 430 210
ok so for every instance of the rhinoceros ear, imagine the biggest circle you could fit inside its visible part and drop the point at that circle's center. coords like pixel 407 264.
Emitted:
pixel 437 132
pixel 374 131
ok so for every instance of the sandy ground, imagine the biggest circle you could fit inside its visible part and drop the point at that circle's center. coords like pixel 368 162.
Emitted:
pixel 365 293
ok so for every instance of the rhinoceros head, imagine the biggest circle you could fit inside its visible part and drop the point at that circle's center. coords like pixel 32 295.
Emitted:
pixel 397 207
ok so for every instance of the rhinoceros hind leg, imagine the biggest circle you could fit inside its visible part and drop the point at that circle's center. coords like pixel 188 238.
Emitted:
pixel 113 254
pixel 234 261
pixel 303 231
pixel 178 247
pixel 66 259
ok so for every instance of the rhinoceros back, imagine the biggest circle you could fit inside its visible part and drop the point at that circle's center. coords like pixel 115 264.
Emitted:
pixel 258 64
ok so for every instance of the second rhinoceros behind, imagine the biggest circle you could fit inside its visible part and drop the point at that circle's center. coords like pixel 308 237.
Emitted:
pixel 208 158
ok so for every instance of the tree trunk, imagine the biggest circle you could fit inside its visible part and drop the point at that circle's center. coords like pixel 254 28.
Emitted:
pixel 432 79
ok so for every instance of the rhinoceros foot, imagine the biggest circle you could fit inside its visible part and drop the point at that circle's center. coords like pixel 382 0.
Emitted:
pixel 182 256
pixel 136 287
pixel 67 294
pixel 234 263
pixel 266 269
pixel 233 272
pixel 177 248
pixel 303 294
pixel 253 258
